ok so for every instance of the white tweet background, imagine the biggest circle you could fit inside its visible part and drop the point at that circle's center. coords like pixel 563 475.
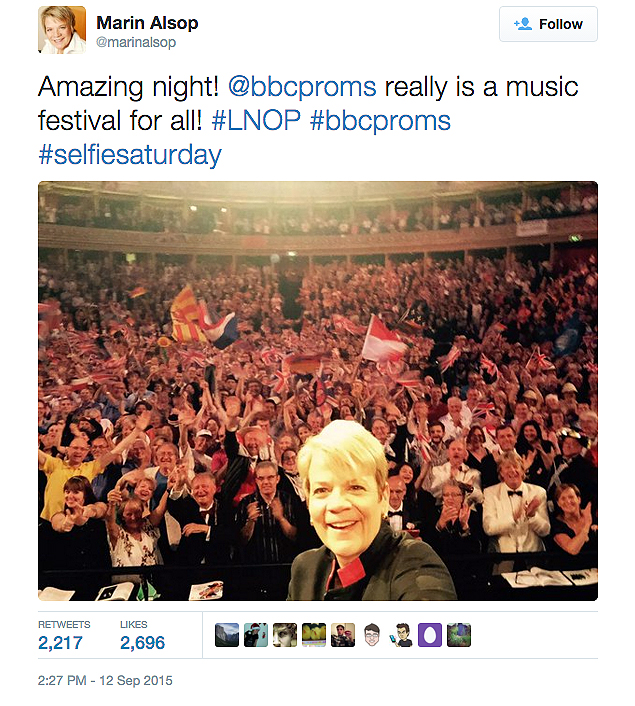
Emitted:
pixel 583 138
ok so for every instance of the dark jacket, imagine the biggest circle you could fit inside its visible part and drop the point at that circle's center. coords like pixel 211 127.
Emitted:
pixel 194 549
pixel 394 568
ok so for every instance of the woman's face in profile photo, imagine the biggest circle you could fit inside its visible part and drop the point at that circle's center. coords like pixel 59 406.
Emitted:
pixel 58 32
pixel 345 507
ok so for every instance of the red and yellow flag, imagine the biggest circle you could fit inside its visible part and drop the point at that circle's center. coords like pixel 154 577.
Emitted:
pixel 184 312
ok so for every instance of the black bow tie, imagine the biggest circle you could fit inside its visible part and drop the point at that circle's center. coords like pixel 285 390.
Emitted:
pixel 391 513
pixel 515 492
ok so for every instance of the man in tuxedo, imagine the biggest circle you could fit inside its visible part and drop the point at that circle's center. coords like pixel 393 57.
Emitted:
pixel 204 539
pixel 401 515
pixel 514 512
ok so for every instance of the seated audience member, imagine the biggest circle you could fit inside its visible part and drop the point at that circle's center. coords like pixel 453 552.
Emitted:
pixel 572 467
pixel 522 414
pixel 589 427
pixel 457 529
pixel 437 408
pixel 402 515
pixel 206 449
pixel 455 469
pixel 104 482
pixel 394 444
pixel 58 471
pixel 420 500
pixel 514 512
pixel 291 484
pixel 133 538
pixel 572 529
pixel 537 453
pixel 266 520
pixel 204 539
pixel 290 476
pixel 437 448
pixel 244 451
pixel 82 543
pixel 506 443
pixel 569 403
pixel 479 457
pixel 457 421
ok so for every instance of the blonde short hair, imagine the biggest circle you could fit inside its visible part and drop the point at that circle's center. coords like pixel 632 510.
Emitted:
pixel 510 458
pixel 345 443
pixel 58 12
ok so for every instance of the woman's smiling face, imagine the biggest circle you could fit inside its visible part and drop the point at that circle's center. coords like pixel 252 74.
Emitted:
pixel 345 506
pixel 58 32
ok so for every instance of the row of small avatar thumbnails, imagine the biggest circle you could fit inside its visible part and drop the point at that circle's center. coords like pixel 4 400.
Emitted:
pixel 341 635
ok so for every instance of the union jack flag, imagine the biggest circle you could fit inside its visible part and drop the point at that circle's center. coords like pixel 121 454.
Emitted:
pixel 489 365
pixel 540 361
pixel 421 444
pixel 281 382
pixel 482 409
pixel 447 361
pixel 193 357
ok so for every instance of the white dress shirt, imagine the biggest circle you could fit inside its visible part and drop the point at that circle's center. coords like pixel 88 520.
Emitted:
pixel 76 46
pixel 440 475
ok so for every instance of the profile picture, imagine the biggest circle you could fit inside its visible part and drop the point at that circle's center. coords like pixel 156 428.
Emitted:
pixel 62 29
pixel 430 634
pixel 342 635
pixel 226 634
pixel 459 635
pixel 371 634
pixel 285 635
pixel 255 635
pixel 313 634
pixel 403 636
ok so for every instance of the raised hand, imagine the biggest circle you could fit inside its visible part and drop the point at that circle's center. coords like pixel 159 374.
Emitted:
pixel 253 511
pixel 115 497
pixel 464 516
pixel 276 509
pixel 531 507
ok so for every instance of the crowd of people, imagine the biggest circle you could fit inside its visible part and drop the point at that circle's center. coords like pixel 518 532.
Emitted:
pixel 154 452
pixel 452 214
pixel 126 215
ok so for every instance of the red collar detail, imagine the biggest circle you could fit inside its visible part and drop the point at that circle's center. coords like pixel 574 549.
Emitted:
pixel 351 573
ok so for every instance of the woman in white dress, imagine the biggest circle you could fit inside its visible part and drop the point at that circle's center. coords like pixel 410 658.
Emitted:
pixel 133 542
